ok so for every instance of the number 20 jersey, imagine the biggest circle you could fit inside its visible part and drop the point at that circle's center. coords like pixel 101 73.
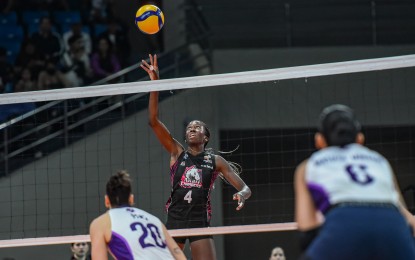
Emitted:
pixel 353 173
pixel 136 234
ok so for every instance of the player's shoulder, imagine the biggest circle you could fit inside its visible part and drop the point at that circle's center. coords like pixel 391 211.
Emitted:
pixel 145 213
pixel 100 222
pixel 300 170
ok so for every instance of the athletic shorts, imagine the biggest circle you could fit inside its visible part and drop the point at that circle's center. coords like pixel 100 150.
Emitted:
pixel 363 232
pixel 181 224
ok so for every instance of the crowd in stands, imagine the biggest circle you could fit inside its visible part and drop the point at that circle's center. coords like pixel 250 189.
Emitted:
pixel 50 44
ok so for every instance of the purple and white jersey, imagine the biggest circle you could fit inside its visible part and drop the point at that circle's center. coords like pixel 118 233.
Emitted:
pixel 136 234
pixel 353 173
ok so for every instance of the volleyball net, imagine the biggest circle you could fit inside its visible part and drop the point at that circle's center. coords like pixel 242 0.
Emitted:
pixel 56 159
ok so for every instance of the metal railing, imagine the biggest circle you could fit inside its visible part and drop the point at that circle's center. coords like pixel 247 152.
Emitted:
pixel 178 62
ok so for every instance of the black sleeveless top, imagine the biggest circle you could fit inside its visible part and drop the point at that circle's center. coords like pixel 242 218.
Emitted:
pixel 192 179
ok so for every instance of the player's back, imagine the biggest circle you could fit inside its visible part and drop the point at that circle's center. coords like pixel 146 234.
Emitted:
pixel 136 234
pixel 350 174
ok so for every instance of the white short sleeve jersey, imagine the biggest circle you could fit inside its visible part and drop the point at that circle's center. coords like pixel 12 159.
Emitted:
pixel 136 234
pixel 353 173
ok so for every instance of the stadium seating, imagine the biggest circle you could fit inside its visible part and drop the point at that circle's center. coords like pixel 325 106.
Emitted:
pixel 11 31
pixel 33 17
pixel 9 18
pixel 66 17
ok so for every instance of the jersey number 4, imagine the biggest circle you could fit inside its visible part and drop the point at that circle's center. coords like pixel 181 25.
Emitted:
pixel 188 196
pixel 155 234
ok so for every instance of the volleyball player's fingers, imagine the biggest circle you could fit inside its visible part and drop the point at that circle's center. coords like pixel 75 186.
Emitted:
pixel 155 64
pixel 143 62
pixel 145 68
pixel 151 71
pixel 151 59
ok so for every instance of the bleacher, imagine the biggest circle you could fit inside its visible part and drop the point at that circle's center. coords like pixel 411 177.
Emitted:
pixel 17 26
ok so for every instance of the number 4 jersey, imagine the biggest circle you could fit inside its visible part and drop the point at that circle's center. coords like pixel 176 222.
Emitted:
pixel 136 234
pixel 192 179
pixel 353 173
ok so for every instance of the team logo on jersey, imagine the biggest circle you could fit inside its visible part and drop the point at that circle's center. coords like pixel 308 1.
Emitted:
pixel 183 163
pixel 192 178
pixel 207 159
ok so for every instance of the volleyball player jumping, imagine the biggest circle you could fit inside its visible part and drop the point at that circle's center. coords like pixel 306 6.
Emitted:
pixel 193 171
pixel 355 188
pixel 128 232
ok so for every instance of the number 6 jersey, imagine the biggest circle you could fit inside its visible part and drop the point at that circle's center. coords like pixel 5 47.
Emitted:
pixel 353 174
pixel 136 234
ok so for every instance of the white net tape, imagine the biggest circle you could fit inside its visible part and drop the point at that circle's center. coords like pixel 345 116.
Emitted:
pixel 213 80
pixel 175 233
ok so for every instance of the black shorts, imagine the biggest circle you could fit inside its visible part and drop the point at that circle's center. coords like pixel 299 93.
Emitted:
pixel 182 224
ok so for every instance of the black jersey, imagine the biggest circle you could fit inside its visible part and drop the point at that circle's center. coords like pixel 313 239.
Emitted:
pixel 192 179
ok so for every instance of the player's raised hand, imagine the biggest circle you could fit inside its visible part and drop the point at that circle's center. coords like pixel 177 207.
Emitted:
pixel 152 68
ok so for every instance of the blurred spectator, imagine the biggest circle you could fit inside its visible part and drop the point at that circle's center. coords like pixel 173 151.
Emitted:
pixel 100 10
pixel 30 58
pixel 80 251
pixel 51 77
pixel 104 62
pixel 119 39
pixel 76 62
pixel 26 82
pixel 46 41
pixel 277 254
pixel 7 5
pixel 76 29
pixel 6 72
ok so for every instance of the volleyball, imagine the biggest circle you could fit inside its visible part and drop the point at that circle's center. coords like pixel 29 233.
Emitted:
pixel 149 19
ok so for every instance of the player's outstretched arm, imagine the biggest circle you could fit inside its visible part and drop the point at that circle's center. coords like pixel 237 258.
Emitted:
pixel 98 242
pixel 244 192
pixel 160 130
pixel 173 247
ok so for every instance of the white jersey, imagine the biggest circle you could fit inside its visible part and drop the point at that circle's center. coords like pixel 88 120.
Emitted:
pixel 353 173
pixel 136 234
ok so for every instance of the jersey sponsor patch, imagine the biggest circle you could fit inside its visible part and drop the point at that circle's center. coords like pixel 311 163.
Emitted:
pixel 192 178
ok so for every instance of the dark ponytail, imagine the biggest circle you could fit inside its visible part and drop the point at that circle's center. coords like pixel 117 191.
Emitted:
pixel 338 125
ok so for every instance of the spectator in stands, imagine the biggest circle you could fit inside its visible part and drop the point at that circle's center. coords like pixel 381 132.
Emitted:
pixel 29 57
pixel 277 254
pixel 80 251
pixel 26 82
pixel 76 29
pixel 119 39
pixel 76 63
pixel 6 72
pixel 51 77
pixel 48 42
pixel 100 10
pixel 104 61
